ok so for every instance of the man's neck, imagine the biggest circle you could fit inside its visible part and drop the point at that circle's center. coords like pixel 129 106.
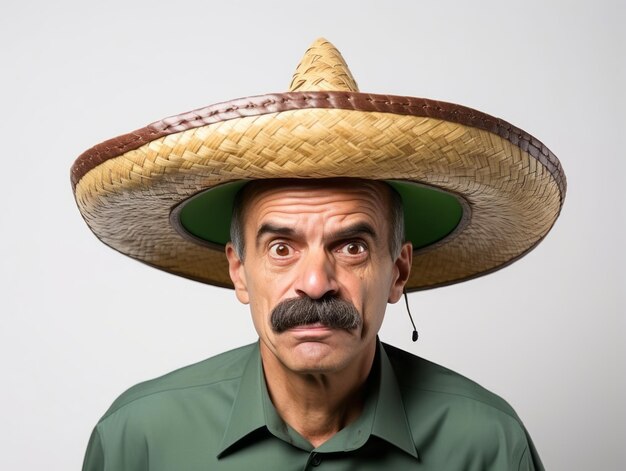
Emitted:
pixel 317 405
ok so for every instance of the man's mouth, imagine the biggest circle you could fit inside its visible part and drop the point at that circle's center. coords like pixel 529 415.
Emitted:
pixel 312 326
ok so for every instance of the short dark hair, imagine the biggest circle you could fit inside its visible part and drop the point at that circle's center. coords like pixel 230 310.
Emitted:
pixel 396 221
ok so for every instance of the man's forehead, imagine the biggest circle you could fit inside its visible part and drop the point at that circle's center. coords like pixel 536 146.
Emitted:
pixel 266 192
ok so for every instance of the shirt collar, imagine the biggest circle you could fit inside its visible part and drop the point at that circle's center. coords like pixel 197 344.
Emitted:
pixel 383 414
pixel 390 420
pixel 246 415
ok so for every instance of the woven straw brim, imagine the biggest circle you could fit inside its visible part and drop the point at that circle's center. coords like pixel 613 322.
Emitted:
pixel 514 187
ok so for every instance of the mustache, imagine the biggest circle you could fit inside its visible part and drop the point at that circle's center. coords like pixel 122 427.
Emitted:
pixel 330 311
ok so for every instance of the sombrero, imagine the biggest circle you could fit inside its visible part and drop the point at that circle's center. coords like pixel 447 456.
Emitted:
pixel 478 193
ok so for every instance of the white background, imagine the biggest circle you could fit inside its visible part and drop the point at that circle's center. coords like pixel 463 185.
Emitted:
pixel 80 323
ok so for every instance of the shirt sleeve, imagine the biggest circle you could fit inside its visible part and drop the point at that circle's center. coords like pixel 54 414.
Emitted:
pixel 94 456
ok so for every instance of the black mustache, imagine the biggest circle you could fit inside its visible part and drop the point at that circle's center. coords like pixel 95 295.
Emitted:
pixel 328 310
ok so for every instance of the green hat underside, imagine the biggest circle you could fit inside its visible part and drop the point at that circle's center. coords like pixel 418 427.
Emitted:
pixel 430 214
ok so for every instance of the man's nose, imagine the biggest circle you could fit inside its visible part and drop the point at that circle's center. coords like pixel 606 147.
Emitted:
pixel 317 276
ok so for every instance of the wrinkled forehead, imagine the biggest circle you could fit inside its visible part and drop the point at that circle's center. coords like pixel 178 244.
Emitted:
pixel 259 195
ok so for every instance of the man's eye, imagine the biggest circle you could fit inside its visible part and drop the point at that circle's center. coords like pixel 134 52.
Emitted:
pixel 353 248
pixel 280 250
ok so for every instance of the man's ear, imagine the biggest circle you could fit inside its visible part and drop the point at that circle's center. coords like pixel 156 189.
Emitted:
pixel 402 270
pixel 237 274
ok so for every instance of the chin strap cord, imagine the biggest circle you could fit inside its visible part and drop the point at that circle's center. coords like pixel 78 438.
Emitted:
pixel 406 300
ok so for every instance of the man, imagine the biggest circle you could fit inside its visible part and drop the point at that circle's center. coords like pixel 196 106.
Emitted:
pixel 308 193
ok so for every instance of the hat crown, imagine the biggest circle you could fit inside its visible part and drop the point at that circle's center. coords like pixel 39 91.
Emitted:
pixel 322 68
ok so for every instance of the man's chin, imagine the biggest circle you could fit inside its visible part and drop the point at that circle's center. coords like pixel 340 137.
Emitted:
pixel 314 356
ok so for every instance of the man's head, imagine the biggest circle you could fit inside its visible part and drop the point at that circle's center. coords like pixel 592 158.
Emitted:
pixel 310 243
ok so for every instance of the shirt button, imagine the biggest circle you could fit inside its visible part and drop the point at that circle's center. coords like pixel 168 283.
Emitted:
pixel 316 459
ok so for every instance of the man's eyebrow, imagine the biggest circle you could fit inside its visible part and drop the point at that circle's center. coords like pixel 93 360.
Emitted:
pixel 355 230
pixel 270 228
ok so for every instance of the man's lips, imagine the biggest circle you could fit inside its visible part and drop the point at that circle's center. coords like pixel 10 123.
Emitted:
pixel 315 326
pixel 315 331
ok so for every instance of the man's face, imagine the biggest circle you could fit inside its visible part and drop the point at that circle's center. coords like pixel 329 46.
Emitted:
pixel 319 240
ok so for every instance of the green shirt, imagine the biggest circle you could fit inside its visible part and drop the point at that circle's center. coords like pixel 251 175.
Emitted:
pixel 217 415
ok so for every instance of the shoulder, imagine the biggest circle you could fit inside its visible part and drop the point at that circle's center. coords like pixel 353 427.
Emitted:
pixel 197 378
pixel 172 412
pixel 415 375
pixel 446 410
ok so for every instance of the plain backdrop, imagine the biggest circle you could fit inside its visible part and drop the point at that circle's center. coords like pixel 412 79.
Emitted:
pixel 80 323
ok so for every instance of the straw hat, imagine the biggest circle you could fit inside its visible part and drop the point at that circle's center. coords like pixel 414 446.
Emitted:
pixel 478 193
